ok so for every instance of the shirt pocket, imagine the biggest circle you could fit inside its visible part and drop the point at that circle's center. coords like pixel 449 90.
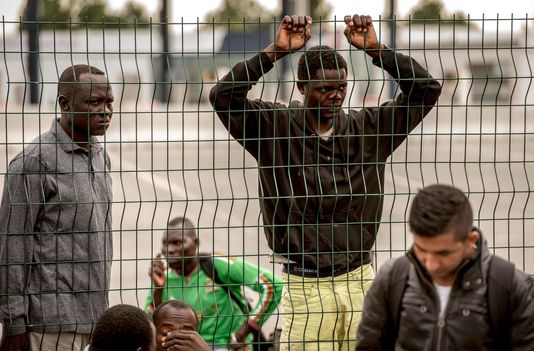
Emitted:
pixel 470 313
pixel 417 320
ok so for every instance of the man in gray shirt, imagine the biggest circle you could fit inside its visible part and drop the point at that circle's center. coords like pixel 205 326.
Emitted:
pixel 55 223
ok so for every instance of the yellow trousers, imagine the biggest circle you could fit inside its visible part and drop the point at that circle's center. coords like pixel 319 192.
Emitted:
pixel 323 313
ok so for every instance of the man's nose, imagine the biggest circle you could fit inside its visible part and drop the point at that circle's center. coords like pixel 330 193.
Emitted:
pixel 431 263
pixel 336 95
pixel 173 249
pixel 107 110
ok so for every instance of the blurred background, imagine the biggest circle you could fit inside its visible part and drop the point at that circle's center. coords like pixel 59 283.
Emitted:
pixel 171 155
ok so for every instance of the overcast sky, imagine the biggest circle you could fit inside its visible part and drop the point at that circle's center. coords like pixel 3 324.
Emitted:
pixel 198 8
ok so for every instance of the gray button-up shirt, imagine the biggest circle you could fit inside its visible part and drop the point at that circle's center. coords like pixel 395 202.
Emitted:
pixel 55 236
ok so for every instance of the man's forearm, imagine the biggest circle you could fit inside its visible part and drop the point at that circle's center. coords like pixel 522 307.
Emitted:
pixel 375 52
pixel 273 53
pixel 157 297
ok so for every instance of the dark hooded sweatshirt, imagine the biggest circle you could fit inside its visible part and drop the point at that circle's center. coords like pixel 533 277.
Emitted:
pixel 321 200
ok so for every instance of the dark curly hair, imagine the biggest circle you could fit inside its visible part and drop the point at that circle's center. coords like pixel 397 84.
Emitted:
pixel 437 209
pixel 319 57
pixel 122 327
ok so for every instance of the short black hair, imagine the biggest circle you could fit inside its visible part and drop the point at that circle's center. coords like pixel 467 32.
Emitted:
pixel 122 327
pixel 186 222
pixel 438 208
pixel 176 304
pixel 181 223
pixel 319 57
pixel 72 75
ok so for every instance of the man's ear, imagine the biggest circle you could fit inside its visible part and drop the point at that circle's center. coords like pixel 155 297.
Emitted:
pixel 472 238
pixel 63 103
pixel 302 87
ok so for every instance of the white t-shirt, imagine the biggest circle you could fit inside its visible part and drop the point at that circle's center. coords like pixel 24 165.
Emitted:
pixel 443 293
pixel 328 133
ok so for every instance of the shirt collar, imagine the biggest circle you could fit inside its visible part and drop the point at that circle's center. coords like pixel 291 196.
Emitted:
pixel 66 142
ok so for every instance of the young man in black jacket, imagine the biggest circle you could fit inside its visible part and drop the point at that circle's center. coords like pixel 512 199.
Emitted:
pixel 446 298
pixel 321 172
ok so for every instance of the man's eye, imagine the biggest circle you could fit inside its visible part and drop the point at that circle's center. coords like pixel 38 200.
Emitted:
pixel 163 331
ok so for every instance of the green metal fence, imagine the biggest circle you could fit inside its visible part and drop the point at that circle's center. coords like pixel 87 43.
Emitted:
pixel 170 154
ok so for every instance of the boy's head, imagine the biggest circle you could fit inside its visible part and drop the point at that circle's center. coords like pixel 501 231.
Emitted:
pixel 441 221
pixel 123 327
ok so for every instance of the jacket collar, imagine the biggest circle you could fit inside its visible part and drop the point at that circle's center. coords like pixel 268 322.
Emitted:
pixel 470 274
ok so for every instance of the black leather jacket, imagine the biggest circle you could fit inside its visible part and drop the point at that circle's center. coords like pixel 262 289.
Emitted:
pixel 465 325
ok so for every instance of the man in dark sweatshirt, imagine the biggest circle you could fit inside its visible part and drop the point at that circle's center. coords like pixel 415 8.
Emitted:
pixel 321 172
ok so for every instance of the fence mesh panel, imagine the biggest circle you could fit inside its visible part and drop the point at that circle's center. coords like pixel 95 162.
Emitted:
pixel 171 156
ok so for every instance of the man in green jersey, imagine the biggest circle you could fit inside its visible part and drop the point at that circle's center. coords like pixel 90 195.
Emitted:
pixel 213 286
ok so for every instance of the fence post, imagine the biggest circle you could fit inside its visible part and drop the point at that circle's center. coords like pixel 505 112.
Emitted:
pixel 33 53
pixel 165 57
